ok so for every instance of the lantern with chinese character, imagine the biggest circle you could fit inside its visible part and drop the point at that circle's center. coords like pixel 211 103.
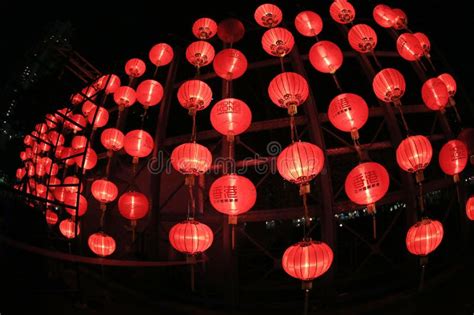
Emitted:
pixel 231 117
pixel 230 64
pixel 453 158
pixel 348 112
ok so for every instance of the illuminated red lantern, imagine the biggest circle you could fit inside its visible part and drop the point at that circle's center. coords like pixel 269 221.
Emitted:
pixel 53 182
pixel 409 47
pixel 200 53
pixel 191 159
pixel 56 138
pixel 68 228
pixel 149 93
pixel 191 237
pixel 101 244
pixel 401 19
pixel 135 67
pixel 23 156
pixel 89 159
pixel 138 144
pixel 28 140
pixel 366 184
pixel 230 30
pixel 78 142
pixel 20 173
pixel 59 115
pixel 101 118
pixel 325 56
pixel 133 205
pixel 60 194
pixel 424 237
pixel 51 217
pixel 362 38
pixel 470 208
pixel 389 85
pixel 230 64
pixel 71 202
pixel 204 28
pixel 348 112
pixel 51 121
pixel 79 123
pixel 450 83
pixel 384 16
pixel 194 95
pixel 268 15
pixel 424 42
pixel 435 94
pixel 414 155
pixel 125 96
pixel 104 191
pixel 161 54
pixel 307 260
pixel 288 90
pixel 300 162
pixel 112 139
pixel 71 184
pixel 278 42
pixel 342 11
pixel 41 128
pixel 232 194
pixel 109 83
pixel 66 152
pixel 453 158
pixel 308 23
pixel 231 117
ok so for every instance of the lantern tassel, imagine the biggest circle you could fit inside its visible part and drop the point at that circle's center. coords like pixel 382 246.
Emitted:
pixel 193 287
pixel 422 277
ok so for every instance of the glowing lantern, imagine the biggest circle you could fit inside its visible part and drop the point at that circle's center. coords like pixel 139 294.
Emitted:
pixel 231 117
pixel 149 93
pixel 342 11
pixel 200 53
pixel 435 94
pixel 414 155
pixel 71 184
pixel 194 95
pixel 20 173
pixel 204 28
pixel 453 158
pixel 384 16
pixel 191 237
pixel 232 194
pixel 66 153
pixel 53 182
pixel 77 124
pixel 230 64
pixel 60 194
pixel 56 138
pixel 68 228
pixel 109 83
pixel 101 118
pixel 308 23
pixel 278 42
pixel 401 20
pixel 51 217
pixel 424 237
pixel 288 90
pixel 51 121
pixel 104 191
pixel 161 54
pixel 409 47
pixel 325 56
pixel 348 112
pixel 450 83
pixel 191 159
pixel 389 85
pixel 268 15
pixel 70 201
pixel 135 67
pixel 125 96
pixel 101 244
pixel 133 206
pixel 78 142
pixel 41 128
pixel 112 139
pixel 87 160
pixel 424 42
pixel 470 208
pixel 87 106
pixel 230 30
pixel 362 38
pixel 138 144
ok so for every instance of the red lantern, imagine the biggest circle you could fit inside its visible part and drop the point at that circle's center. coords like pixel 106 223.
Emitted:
pixel 125 96
pixel 325 56
pixel 414 155
pixel 288 90
pixel 230 30
pixel 66 152
pixel 191 159
pixel 41 128
pixel 71 184
pixel 450 83
pixel 232 194
pixel 135 67
pixel 138 144
pixel 78 142
pixel 161 54
pixel 51 217
pixel 28 140
pixel 384 16
pixel 200 53
pixel 101 118
pixel 90 158
pixel 409 47
pixel 60 194
pixel 79 123
pixel 278 42
pixel 56 138
pixel 348 112
pixel 104 191
pixel 133 205
pixel 366 184
pixel 204 28
pixel 70 201
pixel 424 42
pixel 268 15
pixel 51 121
pixel 300 162
pixel 53 182
pixel 149 93
pixel 362 38
pixel 308 23
pixel 453 158
pixel 68 228
pixel 112 139
pixel 191 237
pixel 424 237
pixel 435 94
pixel 307 260
pixel 389 85
pixel 230 64
pixel 20 173
pixel 101 244
pixel 401 20
pixel 194 95
pixel 109 83
pixel 342 11
pixel 231 117
pixel 470 208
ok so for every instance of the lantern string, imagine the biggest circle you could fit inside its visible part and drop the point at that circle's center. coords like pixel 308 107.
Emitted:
pixel 193 131
pixel 376 60
pixel 402 116
pixel 422 277
pixel 156 72
pixel 145 112
pixel 102 216
pixel 306 301
pixel 338 85
pixel 293 129
pixel 306 215
pixel 431 63
pixel 192 200
pixel 458 117
pixel 282 64
pixel 421 200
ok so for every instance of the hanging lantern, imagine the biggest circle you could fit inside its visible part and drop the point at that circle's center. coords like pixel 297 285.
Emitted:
pixel 230 30
pixel 424 42
pixel 101 244
pixel 288 90
pixel 101 118
pixel 71 202
pixel 230 64
pixel 41 128
pixel 149 93
pixel 56 138
pixel 231 117
pixel 409 47
pixel 278 42
pixel 60 194
pixel 470 208
pixel 451 85
pixel 66 152
pixel 125 96
pixel 424 237
pixel 308 23
pixel 348 112
pixel 104 191
pixel 191 159
pixel 53 183
pixel 204 28
pixel 366 184
pixel 401 19
pixel 268 15
pixel 20 173
pixel 232 194
pixel 109 83
pixel 161 54
pixel 414 155
pixel 138 144
pixel 68 228
pixel 51 217
pixel 362 38
pixel 384 16
pixel 326 57
pixel 90 158
pixel 78 142
pixel 71 184
pixel 200 53
pixel 435 94
pixel 51 121
pixel 191 237
pixel 112 139
pixel 133 206
pixel 79 123
pixel 453 158
pixel 135 68
pixel 342 11
pixel 307 260
pixel 194 95
pixel 389 85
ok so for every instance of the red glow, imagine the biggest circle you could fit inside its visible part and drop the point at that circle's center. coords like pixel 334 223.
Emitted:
pixel 268 15
pixel 194 95
pixel 450 83
pixel 70 201
pixel 288 89
pixel 138 143
pixel 78 142
pixel 125 96
pixel 72 184
pixel 20 173
pixel 342 11
pixel 470 208
pixel 200 53
pixel 348 112
pixel 414 153
pixel 90 158
pixel 308 23
pixel 300 162
pixel 161 54
pixel 101 244
pixel 232 194
pixel 231 116
pixel 67 228
pixel 325 56
pixel 453 157
pixel 401 20
pixel 110 83
pixel 389 85
pixel 424 237
pixel 435 94
pixel 135 67
pixel 149 93
pixel 230 30
pixel 424 42
pixel 104 191
pixel 112 139
pixel 133 205
pixel 191 237
pixel 51 217
pixel 191 159
pixel 80 123
pixel 384 16
pixel 362 38
pixel 367 183
pixel 409 47
pixel 101 118
pixel 278 42
pixel 230 64
pixel 204 28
